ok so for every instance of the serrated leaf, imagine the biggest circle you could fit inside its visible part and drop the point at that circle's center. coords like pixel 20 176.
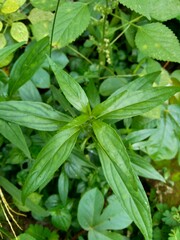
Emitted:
pixel 163 144
pixel 117 169
pixel 52 156
pixel 71 89
pixel 143 168
pixel 14 134
pixel 34 115
pixel 27 64
pixel 131 103
pixel 139 6
pixel 71 21
pixel 150 41
pixel 6 51
pixel 16 195
pixel 45 4
pixel 164 10
pixel 24 236
pixel 19 32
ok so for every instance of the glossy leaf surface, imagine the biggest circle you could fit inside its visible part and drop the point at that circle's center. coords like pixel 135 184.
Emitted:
pixel 52 156
pixel 26 66
pixel 117 169
pixel 14 134
pixel 71 89
pixel 34 115
pixel 131 103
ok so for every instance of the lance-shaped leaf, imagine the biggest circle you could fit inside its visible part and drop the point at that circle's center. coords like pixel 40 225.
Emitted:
pixel 14 134
pixel 34 115
pixel 71 89
pixel 52 156
pixel 27 64
pixel 71 21
pixel 121 178
pixel 131 103
pixel 150 41
pixel 6 51
pixel 139 83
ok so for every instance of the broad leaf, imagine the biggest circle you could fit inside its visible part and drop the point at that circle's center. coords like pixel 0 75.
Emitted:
pixel 19 32
pixel 27 64
pixel 61 218
pixel 131 103
pixel 34 115
pixel 71 21
pixel 150 41
pixel 71 89
pixel 105 235
pixel 52 156
pixel 140 6
pixel 89 209
pixel 163 144
pixel 14 134
pixel 160 10
pixel 143 168
pixel 16 195
pixel 6 51
pixel 45 4
pixel 63 187
pixel 164 10
pixel 117 169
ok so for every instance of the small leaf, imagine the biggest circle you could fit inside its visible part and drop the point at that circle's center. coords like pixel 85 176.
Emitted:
pixel 10 6
pixel 151 42
pixel 19 32
pixel 61 219
pixel 45 4
pixel 131 103
pixel 52 156
pixel 163 144
pixel 27 64
pixel 71 89
pixel 144 168
pixel 117 169
pixel 14 134
pixel 89 209
pixel 63 187
pixel 71 21
pixel 3 41
pixel 29 92
pixel 34 115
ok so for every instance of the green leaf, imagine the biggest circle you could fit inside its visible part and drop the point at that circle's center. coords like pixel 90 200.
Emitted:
pixel 164 10
pixel 16 195
pixel 163 144
pixel 19 32
pixel 131 103
pixel 150 41
pixel 14 134
pixel 34 115
pixel 143 168
pixel 96 235
pixel 29 92
pixel 117 169
pixel 6 51
pixel 52 156
pixel 27 64
pixel 71 89
pixel 89 209
pixel 139 6
pixel 139 83
pixel 63 187
pixel 61 219
pixel 71 21
pixel 24 236
pixel 45 4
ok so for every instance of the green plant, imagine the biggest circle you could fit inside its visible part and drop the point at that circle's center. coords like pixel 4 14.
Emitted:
pixel 92 118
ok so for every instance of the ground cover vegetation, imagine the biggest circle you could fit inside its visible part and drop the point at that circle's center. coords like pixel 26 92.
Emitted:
pixel 89 119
